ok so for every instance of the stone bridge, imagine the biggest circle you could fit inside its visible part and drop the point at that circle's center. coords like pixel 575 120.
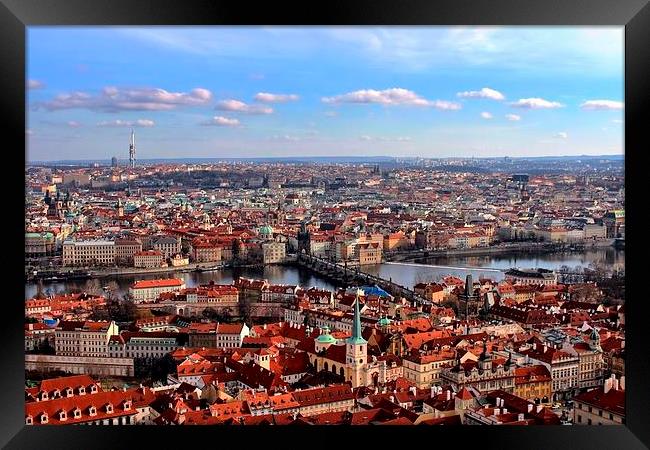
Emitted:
pixel 344 275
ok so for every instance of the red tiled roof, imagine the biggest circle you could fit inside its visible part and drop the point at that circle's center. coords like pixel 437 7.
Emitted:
pixel 168 282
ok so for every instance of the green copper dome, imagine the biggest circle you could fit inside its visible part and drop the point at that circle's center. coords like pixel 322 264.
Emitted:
pixel 266 230
pixel 384 322
pixel 326 337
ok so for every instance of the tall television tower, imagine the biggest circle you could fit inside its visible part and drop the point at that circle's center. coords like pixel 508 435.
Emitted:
pixel 132 150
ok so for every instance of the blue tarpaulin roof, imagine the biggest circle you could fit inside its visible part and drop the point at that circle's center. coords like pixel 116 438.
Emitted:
pixel 375 290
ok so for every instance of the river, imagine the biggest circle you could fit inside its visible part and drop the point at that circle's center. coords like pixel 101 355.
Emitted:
pixel 406 274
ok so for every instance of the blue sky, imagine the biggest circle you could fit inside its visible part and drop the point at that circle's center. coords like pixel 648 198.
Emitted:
pixel 300 91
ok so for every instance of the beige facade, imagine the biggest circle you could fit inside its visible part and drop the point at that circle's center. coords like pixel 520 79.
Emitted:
pixel 273 252
pixel 148 259
pixel 206 252
pixel 88 339
pixel 89 253
pixel 424 371
pixel 149 290
pixel 125 249
pixel 167 245
pixel 81 365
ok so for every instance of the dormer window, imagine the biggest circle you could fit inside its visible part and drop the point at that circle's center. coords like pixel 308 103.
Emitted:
pixel 92 411
pixel 69 392
pixel 44 395
pixel 29 420
pixel 44 418
pixel 77 413
pixel 93 389
pixel 127 406
pixel 82 390
pixel 56 393
pixel 62 415
pixel 109 408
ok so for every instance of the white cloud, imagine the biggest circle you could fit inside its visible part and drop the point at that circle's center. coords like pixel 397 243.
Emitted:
pixel 113 99
pixel 486 93
pixel 221 121
pixel 35 84
pixel 513 117
pixel 285 138
pixel 239 106
pixel 394 96
pixel 73 124
pixel 486 115
pixel 561 135
pixel 617 121
pixel 265 97
pixel 602 105
pixel 365 137
pixel 536 103
pixel 127 123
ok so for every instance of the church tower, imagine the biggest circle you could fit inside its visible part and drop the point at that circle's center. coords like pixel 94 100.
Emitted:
pixel 120 208
pixel 356 350
pixel 468 301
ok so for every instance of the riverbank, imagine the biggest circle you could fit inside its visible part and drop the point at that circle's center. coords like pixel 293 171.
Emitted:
pixel 503 249
pixel 118 271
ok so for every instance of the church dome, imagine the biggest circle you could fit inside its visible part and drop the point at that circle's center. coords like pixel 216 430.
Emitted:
pixel 266 230
pixel 325 337
pixel 384 322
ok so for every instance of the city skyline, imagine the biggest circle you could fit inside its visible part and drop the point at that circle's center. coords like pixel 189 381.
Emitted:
pixel 255 92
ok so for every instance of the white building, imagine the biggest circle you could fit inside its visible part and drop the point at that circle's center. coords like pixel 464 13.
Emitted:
pixel 149 290
pixel 89 253
pixel 84 338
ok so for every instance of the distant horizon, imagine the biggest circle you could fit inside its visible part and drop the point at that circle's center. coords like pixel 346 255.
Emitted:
pixel 326 157
pixel 432 91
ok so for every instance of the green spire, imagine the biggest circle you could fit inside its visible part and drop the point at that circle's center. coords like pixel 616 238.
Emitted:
pixel 356 325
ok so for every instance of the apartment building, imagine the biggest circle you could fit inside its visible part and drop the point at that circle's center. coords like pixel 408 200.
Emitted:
pixel 89 253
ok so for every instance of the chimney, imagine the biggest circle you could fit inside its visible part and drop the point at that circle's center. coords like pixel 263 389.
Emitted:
pixel 497 411
pixel 539 408
pixel 623 344
pixel 448 394
pixel 607 386
pixel 615 384
pixel 622 383
pixel 498 403
pixel 534 345
pixel 530 408
pixel 505 410
pixel 520 417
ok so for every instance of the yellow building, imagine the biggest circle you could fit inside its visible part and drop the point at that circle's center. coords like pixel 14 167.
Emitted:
pixel 533 382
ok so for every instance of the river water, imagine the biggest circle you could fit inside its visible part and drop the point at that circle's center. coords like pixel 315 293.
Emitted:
pixel 405 274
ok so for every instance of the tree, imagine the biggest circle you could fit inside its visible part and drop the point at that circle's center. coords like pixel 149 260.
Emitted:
pixel 93 287
pixel 209 313
pixel 112 288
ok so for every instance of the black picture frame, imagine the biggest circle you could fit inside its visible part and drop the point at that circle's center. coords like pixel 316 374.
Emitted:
pixel 16 15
